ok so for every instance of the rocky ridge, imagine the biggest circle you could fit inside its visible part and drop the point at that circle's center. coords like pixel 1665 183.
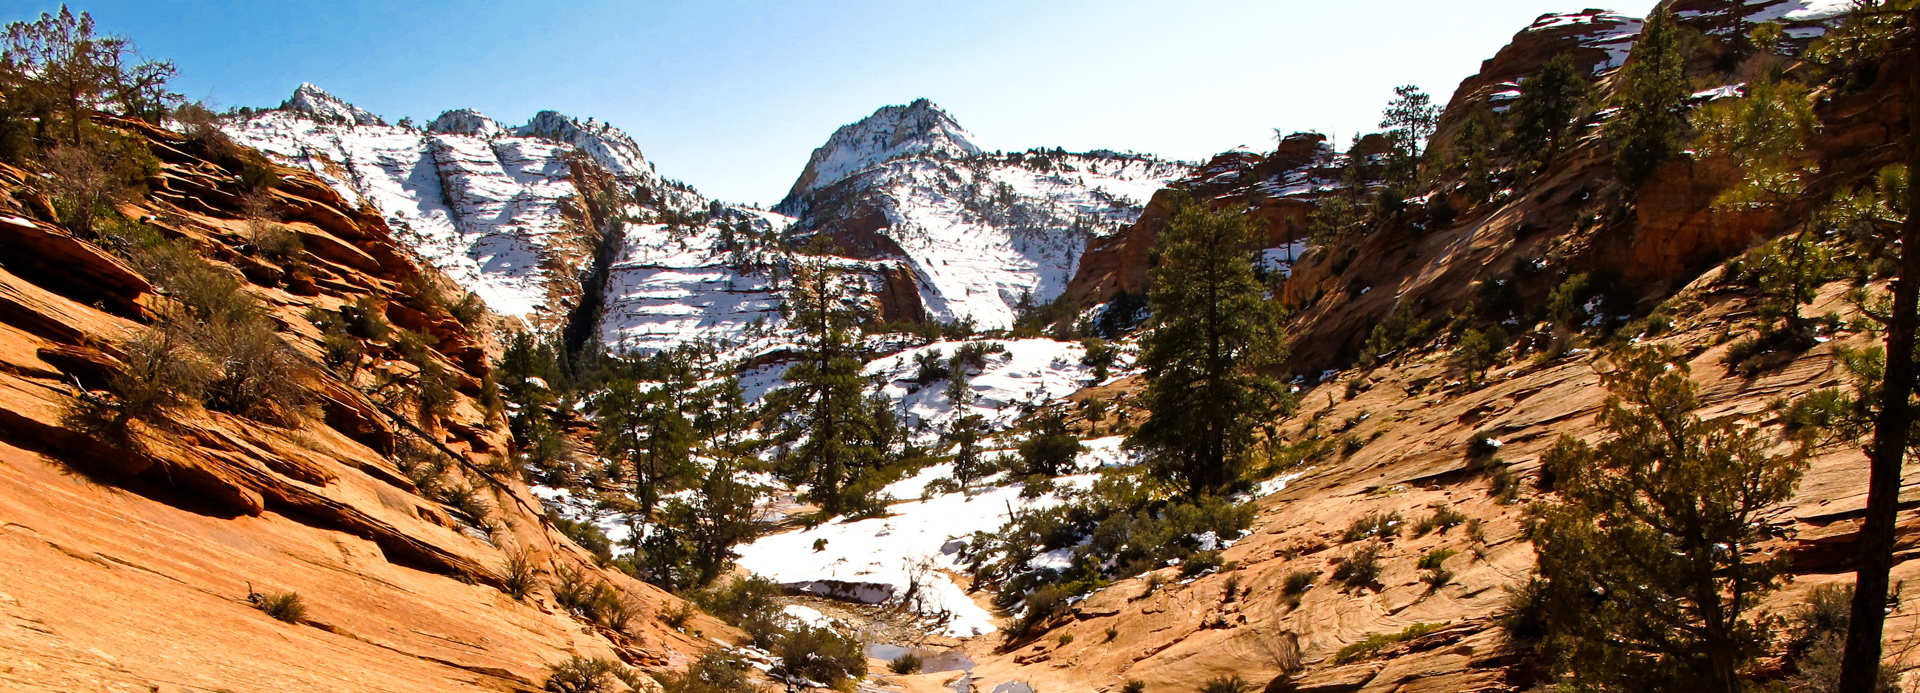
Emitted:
pixel 176 530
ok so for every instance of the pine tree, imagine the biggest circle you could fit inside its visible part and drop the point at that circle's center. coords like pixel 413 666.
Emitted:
pixel 1051 448
pixel 1210 333
pixel 1473 152
pixel 1873 31
pixel 647 432
pixel 1409 120
pixel 965 434
pixel 1648 128
pixel 824 421
pixel 1763 135
pixel 69 69
pixel 1543 115
pixel 718 517
pixel 1651 558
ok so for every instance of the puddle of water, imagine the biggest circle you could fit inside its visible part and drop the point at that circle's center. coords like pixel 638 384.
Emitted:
pixel 930 660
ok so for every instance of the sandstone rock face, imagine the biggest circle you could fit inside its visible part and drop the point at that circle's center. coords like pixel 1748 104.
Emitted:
pixel 131 562
pixel 1275 190
pixel 1416 424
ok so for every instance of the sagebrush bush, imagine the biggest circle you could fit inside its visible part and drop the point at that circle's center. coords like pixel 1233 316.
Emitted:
pixel 714 672
pixel 908 663
pixel 577 674
pixel 748 604
pixel 1227 684
pixel 825 655
pixel 1373 524
pixel 284 606
pixel 517 574
pixel 1362 567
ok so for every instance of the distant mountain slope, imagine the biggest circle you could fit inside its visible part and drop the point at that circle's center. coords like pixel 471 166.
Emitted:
pixel 985 234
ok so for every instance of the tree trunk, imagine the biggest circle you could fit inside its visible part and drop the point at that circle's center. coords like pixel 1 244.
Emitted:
pixel 1860 666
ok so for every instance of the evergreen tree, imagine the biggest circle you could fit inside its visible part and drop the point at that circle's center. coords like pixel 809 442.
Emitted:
pixel 1409 120
pixel 1872 31
pixel 1763 135
pixel 965 434
pixel 650 434
pixel 1210 333
pixel 1549 102
pixel 1651 558
pixel 1473 150
pixel 1653 87
pixel 1051 448
pixel 68 69
pixel 718 517
pixel 824 421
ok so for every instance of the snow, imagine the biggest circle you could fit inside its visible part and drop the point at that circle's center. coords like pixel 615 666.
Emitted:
pixel 890 133
pixel 981 236
pixel 1728 91
pixel 807 615
pixel 876 560
pixel 487 211
pixel 1280 259
pixel 1031 371
pixel 316 102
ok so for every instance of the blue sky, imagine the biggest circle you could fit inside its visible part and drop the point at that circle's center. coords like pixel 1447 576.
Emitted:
pixel 732 96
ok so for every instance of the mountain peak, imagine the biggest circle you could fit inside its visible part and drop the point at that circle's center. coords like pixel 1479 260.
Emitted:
pixel 607 144
pixel 320 105
pixel 465 121
pixel 918 128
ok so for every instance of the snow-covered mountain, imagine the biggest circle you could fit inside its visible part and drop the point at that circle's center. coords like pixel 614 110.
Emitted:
pixel 932 226
pixel 509 214
pixel 916 129
pixel 984 233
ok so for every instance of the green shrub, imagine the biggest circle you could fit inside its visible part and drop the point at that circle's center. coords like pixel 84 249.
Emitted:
pixel 1442 519
pixel 1134 686
pixel 162 372
pixel 517 575
pixel 1373 524
pixel 276 242
pixel 1524 616
pixel 1433 563
pixel 1503 483
pixel 1380 641
pixel 284 606
pixel 571 590
pixel 1200 562
pixel 365 319
pixel 819 654
pixel 1042 605
pixel 749 604
pixel 468 310
pixel 1362 567
pixel 1227 684
pixel 715 672
pixel 908 663
pixel 579 674
pixel 1297 584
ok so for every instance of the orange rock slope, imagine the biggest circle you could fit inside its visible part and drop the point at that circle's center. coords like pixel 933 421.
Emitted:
pixel 128 567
